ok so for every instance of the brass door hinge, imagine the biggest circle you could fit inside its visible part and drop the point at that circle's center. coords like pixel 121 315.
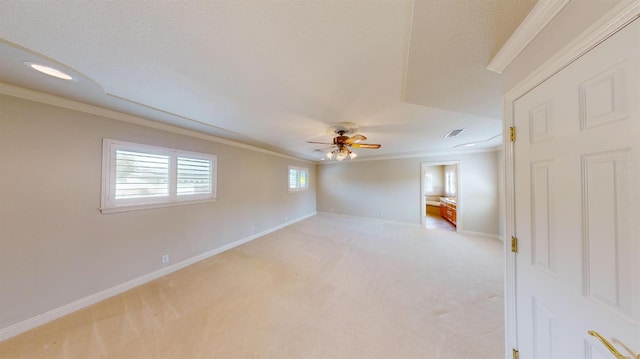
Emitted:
pixel 516 354
pixel 512 134
pixel 514 244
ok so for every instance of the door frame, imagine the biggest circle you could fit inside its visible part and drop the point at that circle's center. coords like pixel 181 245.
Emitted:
pixel 614 20
pixel 423 202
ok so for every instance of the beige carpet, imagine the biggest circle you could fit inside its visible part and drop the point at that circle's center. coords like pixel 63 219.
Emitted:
pixel 326 287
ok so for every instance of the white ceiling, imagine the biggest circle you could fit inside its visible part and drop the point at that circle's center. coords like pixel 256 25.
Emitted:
pixel 276 73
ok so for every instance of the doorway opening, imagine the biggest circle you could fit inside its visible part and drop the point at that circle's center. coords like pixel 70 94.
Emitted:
pixel 439 193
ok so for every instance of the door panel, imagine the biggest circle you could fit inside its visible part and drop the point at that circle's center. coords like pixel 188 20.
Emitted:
pixel 543 215
pixel 595 351
pixel 543 333
pixel 606 215
pixel 577 215
pixel 603 97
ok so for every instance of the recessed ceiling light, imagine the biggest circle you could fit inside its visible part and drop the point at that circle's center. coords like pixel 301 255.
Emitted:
pixel 48 71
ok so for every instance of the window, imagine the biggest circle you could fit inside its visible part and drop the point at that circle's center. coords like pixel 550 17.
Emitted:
pixel 450 183
pixel 298 178
pixel 428 182
pixel 136 176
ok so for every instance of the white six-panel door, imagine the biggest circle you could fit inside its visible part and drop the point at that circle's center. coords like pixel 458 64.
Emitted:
pixel 577 206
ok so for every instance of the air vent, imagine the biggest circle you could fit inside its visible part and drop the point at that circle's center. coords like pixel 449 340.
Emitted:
pixel 454 133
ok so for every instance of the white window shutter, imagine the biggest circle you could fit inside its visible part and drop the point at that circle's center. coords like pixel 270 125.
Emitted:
pixel 194 176
pixel 140 175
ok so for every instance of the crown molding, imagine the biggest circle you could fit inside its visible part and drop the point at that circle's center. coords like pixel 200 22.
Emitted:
pixel 44 98
pixel 609 24
pixel 537 19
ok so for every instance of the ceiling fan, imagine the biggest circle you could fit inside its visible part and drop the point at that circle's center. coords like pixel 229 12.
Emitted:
pixel 342 143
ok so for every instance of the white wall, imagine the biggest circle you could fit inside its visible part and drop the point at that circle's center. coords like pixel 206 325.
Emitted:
pixel 390 189
pixel 55 245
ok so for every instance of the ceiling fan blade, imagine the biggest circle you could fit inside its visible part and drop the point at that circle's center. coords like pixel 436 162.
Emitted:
pixel 366 145
pixel 324 149
pixel 321 143
pixel 355 139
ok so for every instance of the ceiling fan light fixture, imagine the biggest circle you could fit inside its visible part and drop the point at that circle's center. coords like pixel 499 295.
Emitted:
pixel 342 143
pixel 49 71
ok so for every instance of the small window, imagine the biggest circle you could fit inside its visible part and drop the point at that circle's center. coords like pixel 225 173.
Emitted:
pixel 428 182
pixel 298 178
pixel 138 176
pixel 450 183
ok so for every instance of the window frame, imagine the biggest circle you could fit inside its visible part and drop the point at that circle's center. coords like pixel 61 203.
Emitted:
pixel 110 204
pixel 300 170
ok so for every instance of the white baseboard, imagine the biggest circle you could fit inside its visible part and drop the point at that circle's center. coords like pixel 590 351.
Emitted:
pixel 40 319
pixel 479 234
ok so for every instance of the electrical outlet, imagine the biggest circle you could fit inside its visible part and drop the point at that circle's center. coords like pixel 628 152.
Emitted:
pixel 253 229
pixel 381 214
pixel 165 259
pixel 286 218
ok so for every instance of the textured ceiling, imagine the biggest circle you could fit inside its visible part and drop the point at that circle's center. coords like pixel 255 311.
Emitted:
pixel 272 73
pixel 451 44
